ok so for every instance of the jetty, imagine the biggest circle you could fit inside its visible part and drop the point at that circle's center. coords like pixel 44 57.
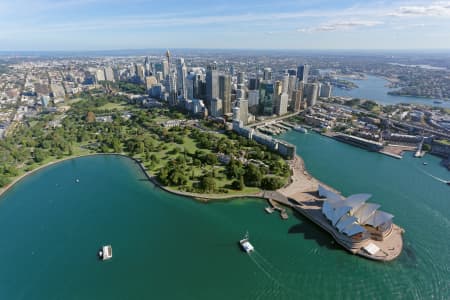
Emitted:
pixel 302 195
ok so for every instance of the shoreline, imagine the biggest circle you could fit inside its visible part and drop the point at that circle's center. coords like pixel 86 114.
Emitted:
pixel 151 178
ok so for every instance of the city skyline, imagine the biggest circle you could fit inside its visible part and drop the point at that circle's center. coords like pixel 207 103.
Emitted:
pixel 80 25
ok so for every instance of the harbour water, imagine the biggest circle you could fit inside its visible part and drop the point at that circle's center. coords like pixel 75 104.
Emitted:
pixel 374 88
pixel 170 247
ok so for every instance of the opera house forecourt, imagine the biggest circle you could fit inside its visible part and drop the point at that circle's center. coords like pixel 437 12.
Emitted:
pixel 360 227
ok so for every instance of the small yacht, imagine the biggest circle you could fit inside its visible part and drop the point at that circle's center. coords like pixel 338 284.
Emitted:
pixel 105 253
pixel 300 129
pixel 425 163
pixel 77 180
pixel 269 209
pixel 245 244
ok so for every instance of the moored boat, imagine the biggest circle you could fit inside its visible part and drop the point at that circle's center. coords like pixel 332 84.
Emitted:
pixel 300 129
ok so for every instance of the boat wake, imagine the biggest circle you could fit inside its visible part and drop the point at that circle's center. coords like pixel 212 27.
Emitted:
pixel 269 270
pixel 434 177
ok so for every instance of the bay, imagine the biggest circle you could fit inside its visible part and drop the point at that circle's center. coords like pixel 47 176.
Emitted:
pixel 171 247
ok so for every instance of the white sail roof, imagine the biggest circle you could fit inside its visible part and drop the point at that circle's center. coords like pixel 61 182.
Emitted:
pixel 330 195
pixel 354 229
pixel 365 212
pixel 345 221
pixel 378 218
pixel 339 212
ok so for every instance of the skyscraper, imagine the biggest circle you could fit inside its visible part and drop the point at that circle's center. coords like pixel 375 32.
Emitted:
pixel 216 107
pixel 303 72
pixel 241 78
pixel 297 97
pixel 310 91
pixel 212 86
pixel 171 82
pixel 225 92
pixel 253 84
pixel 282 104
pixel 266 97
pixel 243 110
pixel 325 91
pixel 267 74
pixel 181 78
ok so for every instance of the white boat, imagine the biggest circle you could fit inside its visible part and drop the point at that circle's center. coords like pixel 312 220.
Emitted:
pixel 105 253
pixel 245 244
pixel 269 209
pixel 300 129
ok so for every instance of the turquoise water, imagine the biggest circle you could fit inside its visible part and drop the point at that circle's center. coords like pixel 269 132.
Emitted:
pixel 170 247
pixel 374 88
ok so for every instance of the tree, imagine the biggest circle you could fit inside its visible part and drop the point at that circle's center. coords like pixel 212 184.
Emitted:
pixel 271 183
pixel 252 176
pixel 238 184
pixel 208 184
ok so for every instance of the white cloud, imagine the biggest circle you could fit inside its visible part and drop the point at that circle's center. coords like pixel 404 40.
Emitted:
pixel 340 25
pixel 435 9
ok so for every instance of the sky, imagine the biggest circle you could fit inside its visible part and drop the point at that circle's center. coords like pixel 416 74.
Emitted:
pixel 40 25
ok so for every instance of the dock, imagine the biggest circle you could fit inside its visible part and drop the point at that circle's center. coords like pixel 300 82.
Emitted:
pixel 273 203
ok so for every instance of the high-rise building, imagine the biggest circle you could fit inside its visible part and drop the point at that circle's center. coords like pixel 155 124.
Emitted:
pixel 216 107
pixel 325 91
pixel 310 91
pixel 282 107
pixel 267 74
pixel 285 84
pixel 297 97
pixel 253 84
pixel 266 97
pixel 303 72
pixel 181 78
pixel 241 78
pixel 243 110
pixel 100 75
pixel 147 66
pixel 253 98
pixel 109 74
pixel 292 85
pixel 292 72
pixel 225 92
pixel 165 67
pixel 150 81
pixel 212 83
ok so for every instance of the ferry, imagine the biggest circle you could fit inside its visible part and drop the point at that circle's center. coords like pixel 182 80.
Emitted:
pixel 300 129
pixel 105 252
pixel 245 244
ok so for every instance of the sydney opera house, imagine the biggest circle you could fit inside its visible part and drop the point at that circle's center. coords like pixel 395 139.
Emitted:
pixel 358 225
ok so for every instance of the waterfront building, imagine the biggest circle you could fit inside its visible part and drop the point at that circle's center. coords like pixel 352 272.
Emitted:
pixel 325 91
pixel 303 73
pixel 354 217
pixel 225 92
pixel 216 107
pixel 212 83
